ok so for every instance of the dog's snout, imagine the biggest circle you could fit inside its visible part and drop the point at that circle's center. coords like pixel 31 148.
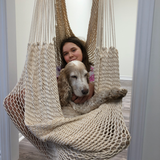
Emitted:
pixel 85 91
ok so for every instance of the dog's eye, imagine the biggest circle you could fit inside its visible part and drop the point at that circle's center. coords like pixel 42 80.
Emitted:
pixel 85 75
pixel 74 77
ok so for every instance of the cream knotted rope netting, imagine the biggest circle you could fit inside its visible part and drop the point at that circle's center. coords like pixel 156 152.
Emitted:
pixel 33 105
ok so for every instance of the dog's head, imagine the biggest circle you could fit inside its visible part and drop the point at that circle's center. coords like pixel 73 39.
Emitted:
pixel 76 77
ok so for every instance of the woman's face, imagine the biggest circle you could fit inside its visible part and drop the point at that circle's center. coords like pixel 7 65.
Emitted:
pixel 72 52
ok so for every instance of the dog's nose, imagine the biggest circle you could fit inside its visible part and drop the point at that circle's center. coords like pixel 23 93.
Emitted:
pixel 85 91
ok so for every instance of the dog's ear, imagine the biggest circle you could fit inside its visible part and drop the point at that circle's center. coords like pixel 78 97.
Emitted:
pixel 64 89
pixel 88 78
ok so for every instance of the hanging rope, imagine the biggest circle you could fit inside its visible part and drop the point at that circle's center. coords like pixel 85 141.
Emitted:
pixel 106 55
pixel 106 25
pixel 43 22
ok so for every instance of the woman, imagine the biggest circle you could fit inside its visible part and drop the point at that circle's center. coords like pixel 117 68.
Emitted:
pixel 71 49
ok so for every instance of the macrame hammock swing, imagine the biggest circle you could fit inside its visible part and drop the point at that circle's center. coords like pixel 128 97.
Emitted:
pixel 33 105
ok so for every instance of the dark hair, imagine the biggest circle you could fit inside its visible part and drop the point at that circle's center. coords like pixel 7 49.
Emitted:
pixel 81 45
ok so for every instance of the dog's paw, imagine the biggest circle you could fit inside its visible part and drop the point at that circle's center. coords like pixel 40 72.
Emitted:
pixel 118 93
pixel 123 92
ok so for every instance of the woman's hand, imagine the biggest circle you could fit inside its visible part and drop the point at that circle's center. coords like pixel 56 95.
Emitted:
pixel 80 100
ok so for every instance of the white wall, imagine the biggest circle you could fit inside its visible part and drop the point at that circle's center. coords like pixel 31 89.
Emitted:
pixel 125 24
pixel 24 11
pixel 79 14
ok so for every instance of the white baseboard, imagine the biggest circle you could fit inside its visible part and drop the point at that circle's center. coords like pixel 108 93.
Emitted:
pixel 21 138
pixel 124 77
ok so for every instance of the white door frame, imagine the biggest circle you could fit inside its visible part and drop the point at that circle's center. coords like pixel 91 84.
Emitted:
pixel 140 77
pixel 9 145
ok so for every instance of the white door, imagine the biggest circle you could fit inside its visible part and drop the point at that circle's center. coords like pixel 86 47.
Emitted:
pixel 9 143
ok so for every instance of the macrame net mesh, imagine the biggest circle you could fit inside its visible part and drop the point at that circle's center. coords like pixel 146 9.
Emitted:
pixel 33 105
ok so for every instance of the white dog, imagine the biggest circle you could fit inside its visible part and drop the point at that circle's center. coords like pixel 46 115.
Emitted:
pixel 78 78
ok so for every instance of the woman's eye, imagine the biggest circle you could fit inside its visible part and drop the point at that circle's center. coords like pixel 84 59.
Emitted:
pixel 75 77
pixel 73 50
pixel 85 75
pixel 64 54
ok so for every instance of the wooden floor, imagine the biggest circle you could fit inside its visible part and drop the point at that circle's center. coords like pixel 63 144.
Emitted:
pixel 28 152
pixel 126 113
